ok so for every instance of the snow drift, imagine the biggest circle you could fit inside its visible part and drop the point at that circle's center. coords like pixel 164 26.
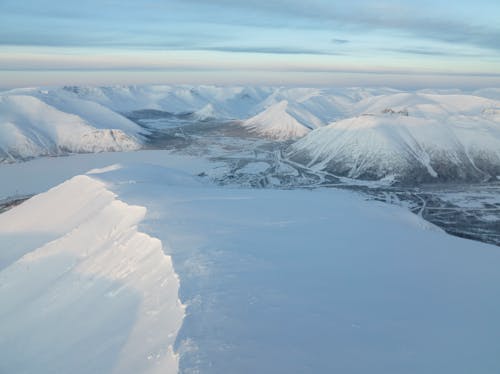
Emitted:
pixel 82 290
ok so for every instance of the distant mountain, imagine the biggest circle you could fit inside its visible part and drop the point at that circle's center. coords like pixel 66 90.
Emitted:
pixel 366 133
pixel 30 128
pixel 409 138
pixel 207 113
pixel 234 102
pixel 277 123
pixel 228 102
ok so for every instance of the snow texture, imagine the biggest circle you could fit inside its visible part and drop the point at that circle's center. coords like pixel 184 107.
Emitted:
pixel 82 290
pixel 273 280
pixel 311 281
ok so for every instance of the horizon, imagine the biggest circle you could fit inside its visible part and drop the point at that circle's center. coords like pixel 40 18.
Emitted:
pixel 286 43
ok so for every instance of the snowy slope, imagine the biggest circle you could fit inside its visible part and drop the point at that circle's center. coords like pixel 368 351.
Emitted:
pixel 208 112
pixel 324 104
pixel 232 102
pixel 82 290
pixel 236 102
pixel 273 280
pixel 103 107
pixel 309 281
pixel 411 137
pixel 277 123
pixel 428 105
pixel 30 127
pixel 93 113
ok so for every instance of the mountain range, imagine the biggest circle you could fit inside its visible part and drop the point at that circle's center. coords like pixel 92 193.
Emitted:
pixel 362 133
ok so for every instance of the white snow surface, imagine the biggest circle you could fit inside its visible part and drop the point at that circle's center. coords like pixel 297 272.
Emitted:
pixel 19 179
pixel 309 281
pixel 82 290
pixel 94 113
pixel 273 281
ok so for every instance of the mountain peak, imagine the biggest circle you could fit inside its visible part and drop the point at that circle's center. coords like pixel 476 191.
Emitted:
pixel 277 123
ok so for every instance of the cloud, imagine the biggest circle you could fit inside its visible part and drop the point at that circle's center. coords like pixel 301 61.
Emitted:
pixel 272 50
pixel 431 52
pixel 192 61
pixel 365 16
pixel 298 37
pixel 159 23
pixel 340 41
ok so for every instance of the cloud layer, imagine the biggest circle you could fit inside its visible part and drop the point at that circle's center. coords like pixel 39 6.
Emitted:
pixel 315 35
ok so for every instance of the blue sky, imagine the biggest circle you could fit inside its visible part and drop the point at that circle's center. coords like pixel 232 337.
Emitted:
pixel 397 43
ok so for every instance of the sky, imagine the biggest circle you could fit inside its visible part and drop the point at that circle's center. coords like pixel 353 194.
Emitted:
pixel 398 43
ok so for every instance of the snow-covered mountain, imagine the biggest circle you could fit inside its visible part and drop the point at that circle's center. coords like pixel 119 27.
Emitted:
pixel 232 102
pixel 50 121
pixel 30 127
pixel 427 135
pixel 277 122
pixel 207 113
pixel 410 137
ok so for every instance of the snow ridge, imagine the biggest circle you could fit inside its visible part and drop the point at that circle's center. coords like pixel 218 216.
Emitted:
pixel 97 294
